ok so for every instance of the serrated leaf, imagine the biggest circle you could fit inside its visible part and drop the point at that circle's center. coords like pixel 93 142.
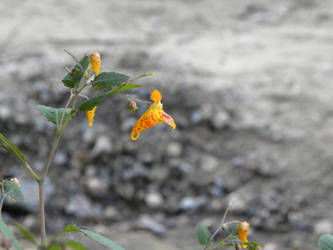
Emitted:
pixel 95 236
pixel 108 80
pixel 54 115
pixel 203 235
pixel 326 242
pixel 75 245
pixel 9 235
pixel 26 233
pixel 13 190
pixel 93 102
pixel 73 78
pixel 12 147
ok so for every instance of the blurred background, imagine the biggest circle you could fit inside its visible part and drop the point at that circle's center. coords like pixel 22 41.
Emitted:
pixel 247 82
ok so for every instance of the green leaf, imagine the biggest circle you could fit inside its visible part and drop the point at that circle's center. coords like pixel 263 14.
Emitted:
pixel 12 147
pixel 251 244
pixel 13 190
pixel 93 102
pixel 9 235
pixel 56 246
pixel 326 242
pixel 54 115
pixel 124 87
pixel 233 230
pixel 73 78
pixel 108 80
pixel 26 233
pixel 75 245
pixel 95 236
pixel 203 235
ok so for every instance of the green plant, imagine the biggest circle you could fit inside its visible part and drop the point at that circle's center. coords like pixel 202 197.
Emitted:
pixel 326 242
pixel 85 74
pixel 236 236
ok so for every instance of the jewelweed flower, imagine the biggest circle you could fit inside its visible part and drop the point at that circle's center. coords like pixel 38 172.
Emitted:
pixel 243 230
pixel 153 116
pixel 90 116
pixel 95 60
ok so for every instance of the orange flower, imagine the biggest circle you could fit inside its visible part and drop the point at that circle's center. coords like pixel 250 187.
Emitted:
pixel 95 60
pixel 243 230
pixel 153 116
pixel 90 116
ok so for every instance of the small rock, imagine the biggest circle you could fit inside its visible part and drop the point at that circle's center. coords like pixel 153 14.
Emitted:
pixel 97 187
pixel 209 163
pixel 110 212
pixel 154 199
pixel 323 227
pixel 192 203
pixel 103 145
pixel 220 120
pixel 174 149
pixel 60 158
pixel 146 222
pixel 80 206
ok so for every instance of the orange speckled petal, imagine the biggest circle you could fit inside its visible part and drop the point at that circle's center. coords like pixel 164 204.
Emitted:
pixel 150 118
pixel 169 120
pixel 90 116
pixel 156 96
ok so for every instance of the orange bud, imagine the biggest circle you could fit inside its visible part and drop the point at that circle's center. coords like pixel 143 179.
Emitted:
pixel 243 230
pixel 90 116
pixel 95 60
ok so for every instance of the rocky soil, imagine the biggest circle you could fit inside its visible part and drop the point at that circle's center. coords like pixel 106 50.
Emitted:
pixel 248 84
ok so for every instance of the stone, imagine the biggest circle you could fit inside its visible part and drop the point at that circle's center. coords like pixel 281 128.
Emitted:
pixel 154 200
pixel 323 227
pixel 103 145
pixel 174 149
pixel 97 187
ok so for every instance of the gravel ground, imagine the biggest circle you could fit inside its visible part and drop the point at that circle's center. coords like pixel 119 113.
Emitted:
pixel 247 82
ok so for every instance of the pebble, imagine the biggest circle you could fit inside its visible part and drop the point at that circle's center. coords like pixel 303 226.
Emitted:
pixel 146 222
pixel 174 149
pixel 209 163
pixel 154 200
pixel 191 204
pixel 80 206
pixel 220 120
pixel 97 187
pixel 110 212
pixel 323 227
pixel 103 145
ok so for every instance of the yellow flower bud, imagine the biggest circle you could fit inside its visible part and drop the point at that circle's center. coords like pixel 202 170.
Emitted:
pixel 95 60
pixel 243 230
pixel 90 116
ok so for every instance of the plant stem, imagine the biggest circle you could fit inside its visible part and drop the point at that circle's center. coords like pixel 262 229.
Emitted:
pixel 3 196
pixel 218 229
pixel 41 181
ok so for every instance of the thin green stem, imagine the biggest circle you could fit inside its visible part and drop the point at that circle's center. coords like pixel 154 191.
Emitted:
pixel 218 229
pixel 60 128
pixel 3 197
